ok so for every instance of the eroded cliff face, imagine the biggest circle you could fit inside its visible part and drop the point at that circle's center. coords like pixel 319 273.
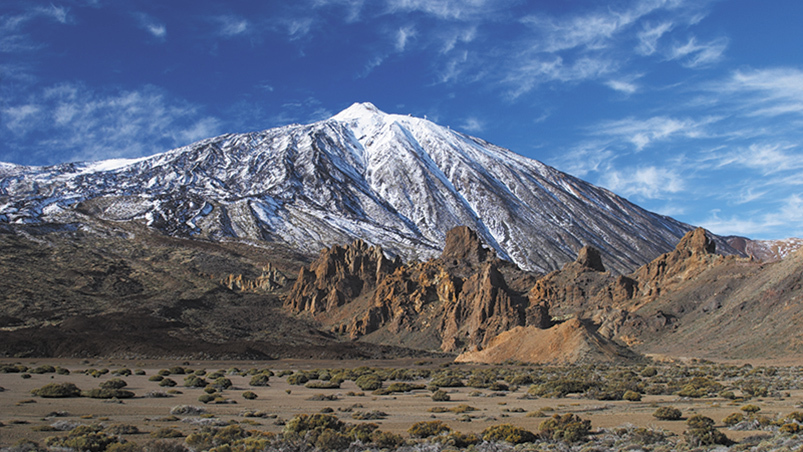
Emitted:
pixel 338 276
pixel 461 298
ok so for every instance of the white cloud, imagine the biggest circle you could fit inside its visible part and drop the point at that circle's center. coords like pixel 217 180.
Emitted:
pixel 786 216
pixel 642 132
pixel 403 35
pixel 767 158
pixel 473 125
pixel 649 182
pixel 155 28
pixel 86 124
pixel 648 37
pixel 448 9
pixel 57 13
pixel 764 92
pixel 623 86
pixel 232 26
pixel 693 55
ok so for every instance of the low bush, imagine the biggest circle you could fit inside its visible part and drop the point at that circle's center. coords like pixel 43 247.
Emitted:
pixel 702 432
pixel 667 413
pixel 568 428
pixel 368 382
pixel 259 380
pixel 508 433
pixel 101 393
pixel 440 396
pixel 57 390
pixel 425 429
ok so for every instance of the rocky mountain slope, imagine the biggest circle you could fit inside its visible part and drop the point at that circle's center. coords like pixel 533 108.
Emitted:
pixel 395 181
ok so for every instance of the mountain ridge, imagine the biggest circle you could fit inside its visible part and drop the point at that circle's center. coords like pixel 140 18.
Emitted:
pixel 396 181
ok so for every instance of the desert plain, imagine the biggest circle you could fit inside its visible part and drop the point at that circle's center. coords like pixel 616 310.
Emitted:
pixel 24 415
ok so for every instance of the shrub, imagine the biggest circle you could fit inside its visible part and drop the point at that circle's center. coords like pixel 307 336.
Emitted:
pixel 167 383
pixel 702 432
pixel 167 432
pixel 298 378
pixel 302 423
pixel 188 410
pixel 369 415
pixel 249 395
pixel 57 390
pixel 508 433
pixel 447 381
pixel 425 429
pixel 194 381
pixel 733 419
pixel 368 382
pixel 631 396
pixel 44 369
pixel 667 413
pixel 156 377
pixel 114 383
pixel 568 427
pixel 101 393
pixel 259 380
pixel 790 428
pixel 751 409
pixel 122 429
pixel 222 383
pixel 440 396
pixel 332 440
pixel 386 440
pixel 83 438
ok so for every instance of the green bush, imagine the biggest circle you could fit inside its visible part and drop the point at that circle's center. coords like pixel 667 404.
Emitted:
pixel 259 380
pixel 441 396
pixel 86 438
pixel 222 383
pixel 702 432
pixel 508 433
pixel 667 413
pixel 751 409
pixel 631 396
pixel 568 427
pixel 101 393
pixel 386 440
pixel 114 383
pixel 57 390
pixel 447 381
pixel 167 383
pixel 303 423
pixel 368 382
pixel 194 381
pixel 733 419
pixel 298 378
pixel 167 432
pixel 249 395
pixel 425 429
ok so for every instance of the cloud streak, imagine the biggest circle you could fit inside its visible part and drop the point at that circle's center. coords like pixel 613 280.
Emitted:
pixel 90 125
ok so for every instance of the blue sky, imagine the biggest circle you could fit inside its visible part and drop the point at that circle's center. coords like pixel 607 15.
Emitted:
pixel 688 108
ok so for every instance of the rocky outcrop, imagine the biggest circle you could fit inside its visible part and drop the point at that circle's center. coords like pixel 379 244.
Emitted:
pixel 271 279
pixel 455 302
pixel 339 275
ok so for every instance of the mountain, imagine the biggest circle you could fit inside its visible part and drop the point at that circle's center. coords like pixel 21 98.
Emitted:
pixel 395 181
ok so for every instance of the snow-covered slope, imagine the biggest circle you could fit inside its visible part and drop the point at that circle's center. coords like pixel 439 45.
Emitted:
pixel 397 181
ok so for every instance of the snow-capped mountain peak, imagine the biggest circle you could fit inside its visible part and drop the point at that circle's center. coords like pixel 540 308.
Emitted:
pixel 394 180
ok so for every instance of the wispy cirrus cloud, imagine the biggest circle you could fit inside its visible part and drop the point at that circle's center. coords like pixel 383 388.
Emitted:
pixel 765 92
pixel 649 35
pixel 648 181
pixel 785 214
pixel 642 132
pixel 14 36
pixel 229 25
pixel 155 28
pixel 87 124
pixel 693 54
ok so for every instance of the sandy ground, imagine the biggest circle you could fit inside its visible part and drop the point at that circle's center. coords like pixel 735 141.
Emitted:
pixel 23 414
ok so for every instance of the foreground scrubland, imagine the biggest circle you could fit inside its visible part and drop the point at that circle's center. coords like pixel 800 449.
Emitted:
pixel 117 405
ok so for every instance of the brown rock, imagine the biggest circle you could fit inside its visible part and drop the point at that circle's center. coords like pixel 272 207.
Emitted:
pixel 463 245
